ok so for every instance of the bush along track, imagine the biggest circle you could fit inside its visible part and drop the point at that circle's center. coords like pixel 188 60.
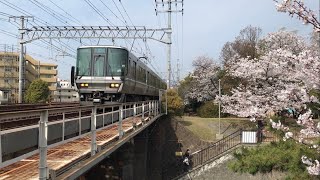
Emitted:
pixel 284 156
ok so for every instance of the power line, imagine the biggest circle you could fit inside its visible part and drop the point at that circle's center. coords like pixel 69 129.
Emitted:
pixel 41 6
pixel 97 11
pixel 23 12
pixel 8 33
pixel 73 18
pixel 123 21
pixel 5 14
pixel 126 14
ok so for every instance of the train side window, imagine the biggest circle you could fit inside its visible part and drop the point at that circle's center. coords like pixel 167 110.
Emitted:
pixel 129 69
pixel 134 70
pixel 144 75
pixel 140 74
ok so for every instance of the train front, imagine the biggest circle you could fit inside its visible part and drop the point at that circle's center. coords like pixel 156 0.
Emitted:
pixel 99 73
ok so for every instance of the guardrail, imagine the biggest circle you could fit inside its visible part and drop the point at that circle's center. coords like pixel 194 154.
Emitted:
pixel 34 139
pixel 202 156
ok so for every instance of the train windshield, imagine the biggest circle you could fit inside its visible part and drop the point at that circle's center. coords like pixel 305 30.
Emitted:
pixel 100 61
pixel 83 62
pixel 117 61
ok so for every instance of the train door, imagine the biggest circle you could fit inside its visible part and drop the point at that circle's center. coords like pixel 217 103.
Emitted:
pixel 99 65
pixel 134 74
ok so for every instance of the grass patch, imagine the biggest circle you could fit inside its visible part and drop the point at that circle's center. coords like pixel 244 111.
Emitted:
pixel 207 128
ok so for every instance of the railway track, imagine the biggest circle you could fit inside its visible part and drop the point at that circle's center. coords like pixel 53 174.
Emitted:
pixel 27 107
pixel 27 113
pixel 21 115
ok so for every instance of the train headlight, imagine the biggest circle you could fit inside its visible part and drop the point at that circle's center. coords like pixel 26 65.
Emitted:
pixel 114 85
pixel 81 84
pixel 86 84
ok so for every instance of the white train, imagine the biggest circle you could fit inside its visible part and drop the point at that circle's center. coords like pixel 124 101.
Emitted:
pixel 113 74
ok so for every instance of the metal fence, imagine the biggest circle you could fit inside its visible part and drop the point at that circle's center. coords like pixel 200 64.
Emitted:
pixel 268 136
pixel 20 143
pixel 201 157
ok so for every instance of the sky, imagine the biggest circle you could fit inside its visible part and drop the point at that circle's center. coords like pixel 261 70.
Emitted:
pixel 204 28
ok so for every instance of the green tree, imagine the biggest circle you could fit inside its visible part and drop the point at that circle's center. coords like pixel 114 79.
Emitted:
pixel 184 87
pixel 38 91
pixel 209 109
pixel 175 103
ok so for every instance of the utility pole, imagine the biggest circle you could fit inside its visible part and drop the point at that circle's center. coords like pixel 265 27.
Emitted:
pixel 219 106
pixel 21 60
pixel 168 4
pixel 219 136
pixel 178 71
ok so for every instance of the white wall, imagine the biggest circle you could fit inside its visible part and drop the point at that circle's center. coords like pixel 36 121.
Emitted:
pixel 3 99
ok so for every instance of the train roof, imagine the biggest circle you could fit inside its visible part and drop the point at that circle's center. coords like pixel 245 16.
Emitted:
pixel 118 47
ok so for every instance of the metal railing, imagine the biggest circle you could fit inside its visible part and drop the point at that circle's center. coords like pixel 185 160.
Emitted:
pixel 203 156
pixel 206 155
pixel 33 139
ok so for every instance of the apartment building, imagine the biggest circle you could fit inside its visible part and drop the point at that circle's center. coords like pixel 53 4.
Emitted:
pixel 65 92
pixel 34 69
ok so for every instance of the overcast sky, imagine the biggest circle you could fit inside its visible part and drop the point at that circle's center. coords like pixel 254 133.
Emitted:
pixel 203 29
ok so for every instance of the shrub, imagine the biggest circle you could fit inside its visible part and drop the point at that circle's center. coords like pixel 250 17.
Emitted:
pixel 209 110
pixel 37 92
pixel 175 103
pixel 282 156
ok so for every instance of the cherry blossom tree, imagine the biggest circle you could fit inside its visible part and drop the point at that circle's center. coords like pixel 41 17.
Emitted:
pixel 299 9
pixel 284 40
pixel 203 84
pixel 280 78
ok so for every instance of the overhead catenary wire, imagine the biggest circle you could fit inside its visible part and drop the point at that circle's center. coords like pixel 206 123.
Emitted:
pixel 72 18
pixel 29 14
pixel 11 5
pixel 8 33
pixel 103 16
pixel 56 14
pixel 123 20
pixel 126 12
pixel 5 14
pixel 127 16
pixel 41 6
pixel 98 11
pixel 126 23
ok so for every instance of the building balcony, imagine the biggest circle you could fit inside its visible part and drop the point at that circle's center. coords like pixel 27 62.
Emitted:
pixel 9 86
pixel 50 80
pixel 8 74
pixel 32 71
pixel 50 72
pixel 10 64
pixel 31 77
pixel 52 88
